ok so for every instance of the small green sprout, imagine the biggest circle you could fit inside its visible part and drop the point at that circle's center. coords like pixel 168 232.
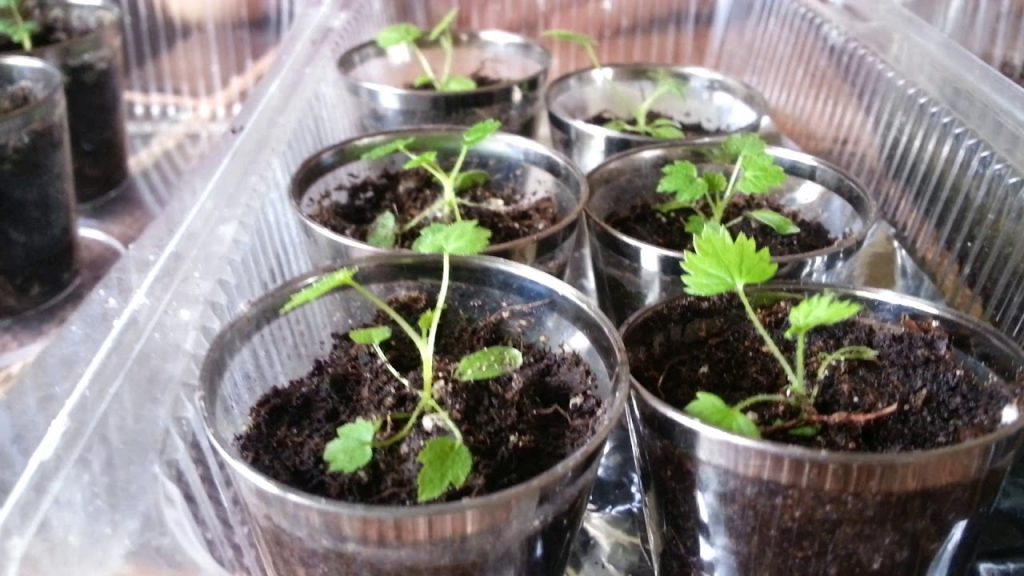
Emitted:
pixel 754 173
pixel 14 26
pixel 384 230
pixel 720 264
pixel 408 34
pixel 446 460
pixel 662 128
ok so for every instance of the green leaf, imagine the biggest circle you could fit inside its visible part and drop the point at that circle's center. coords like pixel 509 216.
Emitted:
pixel 845 354
pixel 425 320
pixel 455 83
pixel 571 37
pixel 463 238
pixel 422 80
pixel 680 179
pixel 804 431
pixel 775 221
pixel 444 25
pixel 382 231
pixel 421 160
pixel 488 364
pixel 720 264
pixel 446 464
pixel 617 126
pixel 668 84
pixel 743 145
pixel 471 179
pixel 386 149
pixel 695 224
pixel 712 410
pixel 665 132
pixel 479 132
pixel 817 311
pixel 716 181
pixel 337 279
pixel 374 335
pixel 352 448
pixel 760 175
pixel 397 35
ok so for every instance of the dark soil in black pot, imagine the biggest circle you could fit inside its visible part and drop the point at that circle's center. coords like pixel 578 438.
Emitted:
pixel 37 229
pixel 93 86
pixel 498 208
pixel 918 396
pixel 516 427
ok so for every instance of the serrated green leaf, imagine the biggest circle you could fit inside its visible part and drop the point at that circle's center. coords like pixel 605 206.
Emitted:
pixel 446 464
pixel 471 179
pixel 817 311
pixel 777 222
pixel 681 180
pixel 804 431
pixel 488 364
pixel 422 80
pixel 571 37
pixel 479 132
pixel 665 132
pixel 464 238
pixel 425 320
pixel 743 145
pixel 760 175
pixel 695 224
pixel 397 35
pixel 352 449
pixel 370 336
pixel 456 83
pixel 718 264
pixel 845 354
pixel 386 149
pixel 421 160
pixel 337 279
pixel 716 181
pixel 444 25
pixel 712 410
pixel 382 231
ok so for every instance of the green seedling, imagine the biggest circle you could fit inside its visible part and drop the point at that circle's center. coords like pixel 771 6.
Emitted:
pixel 662 128
pixel 718 265
pixel 409 34
pixel 445 460
pixel 14 26
pixel 707 194
pixel 385 228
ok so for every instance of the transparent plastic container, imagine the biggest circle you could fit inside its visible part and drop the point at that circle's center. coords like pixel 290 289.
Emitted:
pixel 724 504
pixel 532 170
pixel 525 530
pixel 630 273
pixel 37 204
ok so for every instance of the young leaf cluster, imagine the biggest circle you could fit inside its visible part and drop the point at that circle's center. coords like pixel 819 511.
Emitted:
pixel 445 461
pixel 385 228
pixel 707 194
pixel 13 24
pixel 406 34
pixel 720 264
pixel 661 128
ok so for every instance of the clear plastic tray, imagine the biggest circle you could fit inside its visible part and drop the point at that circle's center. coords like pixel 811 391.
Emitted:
pixel 103 462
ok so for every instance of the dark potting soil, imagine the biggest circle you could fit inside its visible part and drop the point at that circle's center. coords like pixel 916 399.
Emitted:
pixel 690 129
pixel 668 230
pixel 516 426
pixel 37 261
pixel 773 529
pixel 408 192
pixel 92 90
pixel 482 81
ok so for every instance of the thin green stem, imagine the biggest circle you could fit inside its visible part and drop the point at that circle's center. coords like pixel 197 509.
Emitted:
pixel 426 66
pixel 446 47
pixel 768 339
pixel 443 415
pixel 645 107
pixel 733 222
pixel 801 343
pixel 760 399
pixel 425 213
pixel 406 429
pixel 387 364
pixel 26 36
pixel 720 208
pixel 592 54
pixel 435 321
pixel 385 308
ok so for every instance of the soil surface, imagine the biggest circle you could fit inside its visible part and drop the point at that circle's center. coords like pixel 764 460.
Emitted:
pixel 772 529
pixel 516 426
pixel 408 192
pixel 17 96
pixel 691 130
pixel 668 230
pixel 482 81
pixel 93 92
